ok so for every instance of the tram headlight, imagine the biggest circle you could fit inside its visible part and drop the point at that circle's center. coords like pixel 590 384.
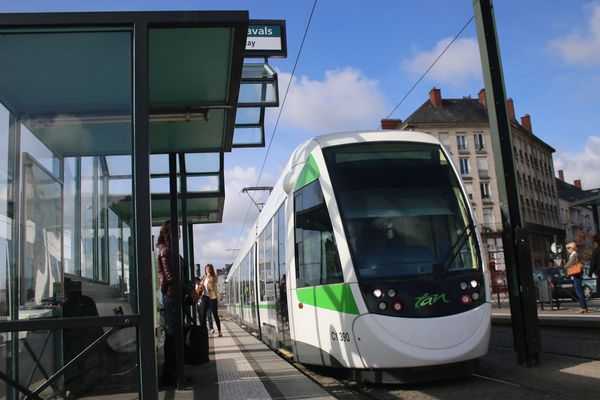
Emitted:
pixel 391 293
pixel 465 299
pixel 464 285
pixel 474 283
pixel 377 293
pixel 382 305
pixel 475 296
pixel 397 306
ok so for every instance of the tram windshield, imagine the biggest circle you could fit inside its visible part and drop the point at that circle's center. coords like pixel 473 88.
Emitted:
pixel 403 211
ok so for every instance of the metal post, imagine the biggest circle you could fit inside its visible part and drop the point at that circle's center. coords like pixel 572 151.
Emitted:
pixel 15 255
pixel 184 219
pixel 516 242
pixel 142 216
pixel 595 217
pixel 177 287
pixel 498 296
pixel 190 229
pixel 77 224
pixel 190 235
pixel 95 224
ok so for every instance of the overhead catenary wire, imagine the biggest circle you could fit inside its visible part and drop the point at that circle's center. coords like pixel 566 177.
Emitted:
pixel 430 67
pixel 312 11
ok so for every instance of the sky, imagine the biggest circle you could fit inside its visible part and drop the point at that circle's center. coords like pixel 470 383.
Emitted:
pixel 360 58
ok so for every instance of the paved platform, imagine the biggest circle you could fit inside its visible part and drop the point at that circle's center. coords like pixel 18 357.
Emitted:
pixel 242 367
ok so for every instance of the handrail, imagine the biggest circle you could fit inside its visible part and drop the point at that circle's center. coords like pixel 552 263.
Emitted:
pixel 68 323
pixel 68 365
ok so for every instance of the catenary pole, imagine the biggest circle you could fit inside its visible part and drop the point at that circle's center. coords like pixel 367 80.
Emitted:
pixel 523 309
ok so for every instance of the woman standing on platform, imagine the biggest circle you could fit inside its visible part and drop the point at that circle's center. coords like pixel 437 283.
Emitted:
pixel 210 299
pixel 577 279
pixel 166 276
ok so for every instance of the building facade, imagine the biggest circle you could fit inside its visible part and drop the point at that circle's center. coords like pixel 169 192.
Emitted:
pixel 462 126
pixel 577 220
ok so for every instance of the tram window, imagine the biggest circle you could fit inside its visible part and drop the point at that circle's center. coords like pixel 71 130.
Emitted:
pixel 317 257
pixel 402 209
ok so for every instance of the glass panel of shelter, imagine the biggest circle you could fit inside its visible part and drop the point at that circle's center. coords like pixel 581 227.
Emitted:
pixel 64 250
pixel 258 90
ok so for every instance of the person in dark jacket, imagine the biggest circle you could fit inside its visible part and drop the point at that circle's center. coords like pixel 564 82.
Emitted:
pixel 166 283
pixel 595 261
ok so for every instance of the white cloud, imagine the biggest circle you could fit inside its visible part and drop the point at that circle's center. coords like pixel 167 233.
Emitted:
pixel 581 46
pixel 459 65
pixel 344 100
pixel 583 165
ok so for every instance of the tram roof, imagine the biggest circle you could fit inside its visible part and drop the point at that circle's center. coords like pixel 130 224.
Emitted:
pixel 336 139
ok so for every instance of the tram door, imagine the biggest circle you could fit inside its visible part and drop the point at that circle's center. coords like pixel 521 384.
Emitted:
pixel 268 298
pixel 283 327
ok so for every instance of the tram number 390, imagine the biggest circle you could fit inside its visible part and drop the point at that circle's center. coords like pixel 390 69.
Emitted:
pixel 340 336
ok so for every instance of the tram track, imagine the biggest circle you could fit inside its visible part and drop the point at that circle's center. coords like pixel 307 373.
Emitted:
pixel 499 373
pixel 565 371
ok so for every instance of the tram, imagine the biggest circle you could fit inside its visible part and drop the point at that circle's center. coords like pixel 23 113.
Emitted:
pixel 366 257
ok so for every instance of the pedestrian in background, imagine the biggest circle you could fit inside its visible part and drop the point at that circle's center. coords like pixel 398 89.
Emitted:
pixel 209 302
pixel 577 279
pixel 595 261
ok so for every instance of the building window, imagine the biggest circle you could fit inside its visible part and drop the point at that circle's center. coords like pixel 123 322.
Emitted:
pixel 482 167
pixel 469 190
pixel 464 166
pixel 478 140
pixel 444 139
pixel 488 219
pixel 461 142
pixel 485 191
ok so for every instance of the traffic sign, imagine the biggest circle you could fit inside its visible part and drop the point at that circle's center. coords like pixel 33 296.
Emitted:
pixel 556 248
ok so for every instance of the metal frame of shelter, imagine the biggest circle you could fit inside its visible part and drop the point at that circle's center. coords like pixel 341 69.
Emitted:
pixel 154 131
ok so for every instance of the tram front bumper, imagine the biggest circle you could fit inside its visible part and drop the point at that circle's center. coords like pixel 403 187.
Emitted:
pixel 395 342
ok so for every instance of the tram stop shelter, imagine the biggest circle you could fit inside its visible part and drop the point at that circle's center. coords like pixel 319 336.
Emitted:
pixel 110 124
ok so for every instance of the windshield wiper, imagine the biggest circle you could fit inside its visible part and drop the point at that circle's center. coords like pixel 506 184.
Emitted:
pixel 440 270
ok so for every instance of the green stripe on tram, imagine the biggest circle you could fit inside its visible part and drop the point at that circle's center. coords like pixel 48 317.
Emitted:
pixel 268 306
pixel 264 306
pixel 337 297
pixel 310 172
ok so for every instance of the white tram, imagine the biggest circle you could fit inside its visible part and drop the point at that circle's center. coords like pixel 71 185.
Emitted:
pixel 366 257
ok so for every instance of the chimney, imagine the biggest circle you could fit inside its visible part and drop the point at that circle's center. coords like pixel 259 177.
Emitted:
pixel 435 97
pixel 561 175
pixel 482 99
pixel 511 109
pixel 577 183
pixel 390 123
pixel 526 122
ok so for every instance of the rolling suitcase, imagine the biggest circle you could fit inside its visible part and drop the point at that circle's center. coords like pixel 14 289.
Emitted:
pixel 196 344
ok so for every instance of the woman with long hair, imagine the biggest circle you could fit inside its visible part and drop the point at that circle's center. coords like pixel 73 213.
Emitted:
pixel 166 283
pixel 577 279
pixel 209 302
